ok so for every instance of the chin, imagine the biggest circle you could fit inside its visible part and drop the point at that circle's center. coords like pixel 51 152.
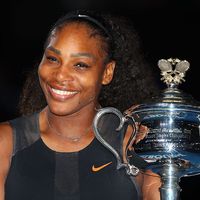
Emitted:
pixel 63 110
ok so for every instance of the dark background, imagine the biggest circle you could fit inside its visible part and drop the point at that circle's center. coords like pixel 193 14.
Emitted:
pixel 167 29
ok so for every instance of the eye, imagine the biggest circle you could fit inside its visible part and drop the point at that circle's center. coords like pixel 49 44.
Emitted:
pixel 81 65
pixel 52 59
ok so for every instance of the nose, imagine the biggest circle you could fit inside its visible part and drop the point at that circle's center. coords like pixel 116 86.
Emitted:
pixel 64 74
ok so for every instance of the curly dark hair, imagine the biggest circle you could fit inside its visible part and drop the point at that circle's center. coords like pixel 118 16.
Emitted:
pixel 133 80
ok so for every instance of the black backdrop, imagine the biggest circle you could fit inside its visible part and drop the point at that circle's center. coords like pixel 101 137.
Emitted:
pixel 167 28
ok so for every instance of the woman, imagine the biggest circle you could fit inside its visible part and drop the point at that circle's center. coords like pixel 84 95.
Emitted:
pixel 51 152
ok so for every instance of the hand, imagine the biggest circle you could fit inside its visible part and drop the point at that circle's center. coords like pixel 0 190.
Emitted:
pixel 148 181
pixel 141 130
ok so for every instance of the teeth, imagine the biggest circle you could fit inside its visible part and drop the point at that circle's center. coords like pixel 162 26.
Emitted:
pixel 63 92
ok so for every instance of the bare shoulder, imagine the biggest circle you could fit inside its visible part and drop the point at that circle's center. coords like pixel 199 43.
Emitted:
pixel 6 141
pixel 5 133
pixel 6 146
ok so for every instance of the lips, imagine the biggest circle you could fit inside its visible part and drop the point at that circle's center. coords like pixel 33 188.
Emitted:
pixel 59 94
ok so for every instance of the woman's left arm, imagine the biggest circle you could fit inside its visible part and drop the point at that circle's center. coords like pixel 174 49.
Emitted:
pixel 150 186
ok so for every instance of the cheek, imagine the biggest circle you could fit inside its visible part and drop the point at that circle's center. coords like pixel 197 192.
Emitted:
pixel 92 86
pixel 43 73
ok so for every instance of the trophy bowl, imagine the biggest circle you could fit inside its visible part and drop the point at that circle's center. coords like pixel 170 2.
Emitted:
pixel 172 144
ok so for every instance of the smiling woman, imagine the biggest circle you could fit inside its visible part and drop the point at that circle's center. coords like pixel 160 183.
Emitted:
pixel 71 75
pixel 50 152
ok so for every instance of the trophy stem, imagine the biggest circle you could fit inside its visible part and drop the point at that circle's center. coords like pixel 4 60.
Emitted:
pixel 170 189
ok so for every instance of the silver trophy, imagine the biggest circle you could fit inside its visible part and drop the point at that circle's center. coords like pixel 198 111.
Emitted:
pixel 172 144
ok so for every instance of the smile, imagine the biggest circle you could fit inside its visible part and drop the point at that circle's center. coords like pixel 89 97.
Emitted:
pixel 63 92
pixel 62 95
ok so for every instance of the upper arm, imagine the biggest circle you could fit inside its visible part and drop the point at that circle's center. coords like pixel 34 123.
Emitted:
pixel 6 148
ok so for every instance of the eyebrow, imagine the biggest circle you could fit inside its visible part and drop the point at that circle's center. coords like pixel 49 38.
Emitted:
pixel 83 54
pixel 54 50
pixel 51 48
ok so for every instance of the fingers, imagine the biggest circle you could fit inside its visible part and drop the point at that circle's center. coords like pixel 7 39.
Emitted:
pixel 141 133
pixel 129 111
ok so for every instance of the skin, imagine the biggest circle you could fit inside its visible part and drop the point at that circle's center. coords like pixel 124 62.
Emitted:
pixel 149 182
pixel 73 64
pixel 71 74
pixel 6 147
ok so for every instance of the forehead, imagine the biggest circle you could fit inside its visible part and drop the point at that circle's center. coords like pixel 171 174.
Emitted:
pixel 78 28
pixel 77 35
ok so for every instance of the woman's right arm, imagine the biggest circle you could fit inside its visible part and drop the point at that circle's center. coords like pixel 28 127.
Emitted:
pixel 6 148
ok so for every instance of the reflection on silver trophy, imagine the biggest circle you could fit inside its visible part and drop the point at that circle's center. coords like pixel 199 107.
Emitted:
pixel 172 144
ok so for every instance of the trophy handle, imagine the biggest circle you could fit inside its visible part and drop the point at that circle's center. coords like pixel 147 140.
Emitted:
pixel 116 147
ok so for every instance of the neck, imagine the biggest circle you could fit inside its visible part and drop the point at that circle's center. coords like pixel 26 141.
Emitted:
pixel 71 127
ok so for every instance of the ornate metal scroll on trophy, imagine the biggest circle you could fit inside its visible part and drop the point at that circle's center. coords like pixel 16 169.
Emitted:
pixel 172 144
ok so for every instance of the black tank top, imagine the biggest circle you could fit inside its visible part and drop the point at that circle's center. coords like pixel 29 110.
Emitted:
pixel 39 173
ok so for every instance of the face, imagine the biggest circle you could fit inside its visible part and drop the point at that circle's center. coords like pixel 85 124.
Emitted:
pixel 72 70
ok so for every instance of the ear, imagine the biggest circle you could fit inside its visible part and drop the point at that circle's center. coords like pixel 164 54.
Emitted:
pixel 108 73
